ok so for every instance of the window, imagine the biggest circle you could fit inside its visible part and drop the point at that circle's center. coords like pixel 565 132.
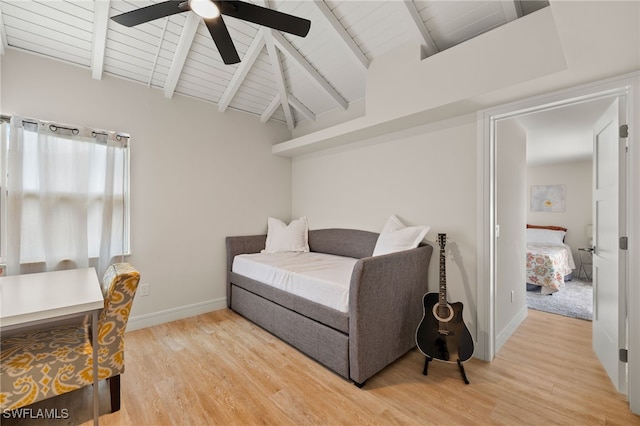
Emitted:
pixel 67 195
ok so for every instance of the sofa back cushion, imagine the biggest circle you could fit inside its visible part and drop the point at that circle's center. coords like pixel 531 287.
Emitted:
pixel 343 242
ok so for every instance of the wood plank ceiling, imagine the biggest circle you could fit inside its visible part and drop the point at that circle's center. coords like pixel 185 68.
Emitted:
pixel 280 77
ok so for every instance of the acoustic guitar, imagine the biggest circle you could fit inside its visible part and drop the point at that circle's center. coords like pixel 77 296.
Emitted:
pixel 442 333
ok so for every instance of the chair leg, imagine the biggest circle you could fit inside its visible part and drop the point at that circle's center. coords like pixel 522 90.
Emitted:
pixel 114 391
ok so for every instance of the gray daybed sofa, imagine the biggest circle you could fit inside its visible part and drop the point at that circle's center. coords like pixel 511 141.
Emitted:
pixel 384 310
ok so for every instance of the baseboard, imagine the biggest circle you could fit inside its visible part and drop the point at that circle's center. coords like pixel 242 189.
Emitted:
pixel 173 314
pixel 502 338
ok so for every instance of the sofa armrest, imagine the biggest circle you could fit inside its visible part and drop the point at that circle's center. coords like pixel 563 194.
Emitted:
pixel 241 245
pixel 385 308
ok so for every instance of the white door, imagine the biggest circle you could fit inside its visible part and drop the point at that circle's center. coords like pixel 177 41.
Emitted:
pixel 609 260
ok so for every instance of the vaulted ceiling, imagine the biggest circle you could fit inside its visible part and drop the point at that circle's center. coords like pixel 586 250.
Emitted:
pixel 280 77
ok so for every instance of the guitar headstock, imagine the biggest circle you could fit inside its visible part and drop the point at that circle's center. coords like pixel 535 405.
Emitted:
pixel 442 240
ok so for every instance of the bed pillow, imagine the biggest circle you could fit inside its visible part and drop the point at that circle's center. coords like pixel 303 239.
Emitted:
pixel 285 238
pixel 395 236
pixel 545 236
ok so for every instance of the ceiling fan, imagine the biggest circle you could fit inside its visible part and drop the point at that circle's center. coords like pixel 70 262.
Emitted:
pixel 212 11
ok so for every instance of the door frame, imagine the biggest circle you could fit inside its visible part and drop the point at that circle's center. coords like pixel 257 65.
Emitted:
pixel 628 84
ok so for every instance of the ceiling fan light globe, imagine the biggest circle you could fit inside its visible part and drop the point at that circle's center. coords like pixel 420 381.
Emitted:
pixel 204 8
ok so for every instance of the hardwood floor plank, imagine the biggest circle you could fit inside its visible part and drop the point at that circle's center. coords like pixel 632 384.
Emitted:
pixel 220 369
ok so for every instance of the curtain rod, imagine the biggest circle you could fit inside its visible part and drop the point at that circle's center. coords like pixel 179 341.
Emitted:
pixel 73 130
pixel 54 128
pixel 119 136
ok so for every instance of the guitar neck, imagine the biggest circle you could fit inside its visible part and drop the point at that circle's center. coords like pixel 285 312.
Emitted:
pixel 442 300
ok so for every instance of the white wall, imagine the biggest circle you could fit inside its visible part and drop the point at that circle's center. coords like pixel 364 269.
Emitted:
pixel 578 189
pixel 525 49
pixel 197 175
pixel 425 175
pixel 510 293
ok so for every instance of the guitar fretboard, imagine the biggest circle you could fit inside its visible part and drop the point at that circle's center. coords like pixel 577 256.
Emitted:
pixel 442 300
pixel 443 279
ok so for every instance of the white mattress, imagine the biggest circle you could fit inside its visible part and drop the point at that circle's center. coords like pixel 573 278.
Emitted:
pixel 319 277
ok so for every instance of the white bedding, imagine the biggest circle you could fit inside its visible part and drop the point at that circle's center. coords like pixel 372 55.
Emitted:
pixel 319 277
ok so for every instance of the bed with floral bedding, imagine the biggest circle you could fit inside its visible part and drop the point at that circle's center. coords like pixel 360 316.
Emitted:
pixel 549 260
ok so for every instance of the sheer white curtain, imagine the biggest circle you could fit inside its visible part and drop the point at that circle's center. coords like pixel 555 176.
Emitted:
pixel 66 194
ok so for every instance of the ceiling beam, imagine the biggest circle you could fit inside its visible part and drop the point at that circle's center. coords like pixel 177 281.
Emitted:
pixel 420 28
pixel 314 75
pixel 100 23
pixel 278 76
pixel 301 108
pixel 181 53
pixel 271 108
pixel 3 36
pixel 347 41
pixel 512 9
pixel 293 101
pixel 241 72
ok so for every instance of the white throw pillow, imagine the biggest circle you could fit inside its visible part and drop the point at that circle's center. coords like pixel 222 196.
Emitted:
pixel 545 236
pixel 284 238
pixel 395 236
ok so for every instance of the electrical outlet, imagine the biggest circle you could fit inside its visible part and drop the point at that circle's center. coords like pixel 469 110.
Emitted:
pixel 144 289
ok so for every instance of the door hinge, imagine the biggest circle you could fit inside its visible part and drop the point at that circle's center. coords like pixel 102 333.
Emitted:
pixel 624 355
pixel 624 243
pixel 624 131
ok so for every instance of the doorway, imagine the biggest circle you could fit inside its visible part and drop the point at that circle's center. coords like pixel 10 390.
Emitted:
pixel 488 227
pixel 559 157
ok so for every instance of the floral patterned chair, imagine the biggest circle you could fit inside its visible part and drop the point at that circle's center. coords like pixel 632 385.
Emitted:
pixel 39 365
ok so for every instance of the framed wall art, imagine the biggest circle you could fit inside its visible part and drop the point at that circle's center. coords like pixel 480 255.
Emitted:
pixel 547 198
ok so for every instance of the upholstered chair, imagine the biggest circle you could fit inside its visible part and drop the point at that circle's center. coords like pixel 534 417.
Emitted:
pixel 41 364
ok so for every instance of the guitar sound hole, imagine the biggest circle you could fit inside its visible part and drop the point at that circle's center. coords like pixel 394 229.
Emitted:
pixel 443 313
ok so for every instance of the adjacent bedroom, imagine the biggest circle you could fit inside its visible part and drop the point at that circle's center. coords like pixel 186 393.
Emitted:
pixel 559 234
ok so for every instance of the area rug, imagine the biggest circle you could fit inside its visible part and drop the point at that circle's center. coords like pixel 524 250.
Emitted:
pixel 575 300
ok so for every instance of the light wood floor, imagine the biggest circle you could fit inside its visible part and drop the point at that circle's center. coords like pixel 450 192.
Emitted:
pixel 220 369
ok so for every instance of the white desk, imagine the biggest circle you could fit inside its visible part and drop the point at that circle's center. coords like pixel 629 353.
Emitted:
pixel 32 299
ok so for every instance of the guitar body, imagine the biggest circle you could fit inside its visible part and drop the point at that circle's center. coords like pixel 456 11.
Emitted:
pixel 448 341
pixel 442 334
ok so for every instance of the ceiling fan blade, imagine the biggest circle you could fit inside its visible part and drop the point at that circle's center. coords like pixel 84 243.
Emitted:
pixel 264 16
pixel 150 13
pixel 222 39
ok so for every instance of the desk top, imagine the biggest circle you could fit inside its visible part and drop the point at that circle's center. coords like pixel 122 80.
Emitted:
pixel 32 298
